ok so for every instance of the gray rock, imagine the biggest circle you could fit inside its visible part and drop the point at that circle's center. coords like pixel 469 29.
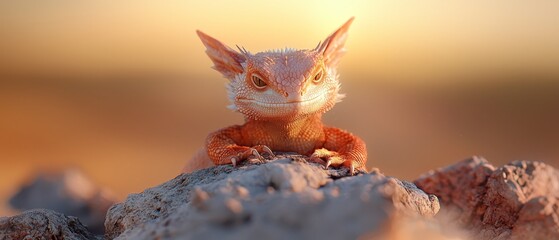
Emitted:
pixel 68 192
pixel 43 224
pixel 282 199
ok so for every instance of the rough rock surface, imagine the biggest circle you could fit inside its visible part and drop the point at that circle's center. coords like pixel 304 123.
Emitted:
pixel 283 199
pixel 43 224
pixel 519 200
pixel 69 192
pixel 289 198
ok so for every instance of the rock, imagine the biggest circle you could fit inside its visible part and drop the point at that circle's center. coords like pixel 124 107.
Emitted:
pixel 43 224
pixel 68 192
pixel 516 201
pixel 538 219
pixel 286 198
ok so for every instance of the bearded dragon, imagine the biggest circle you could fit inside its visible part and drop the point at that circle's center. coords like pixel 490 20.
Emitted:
pixel 282 95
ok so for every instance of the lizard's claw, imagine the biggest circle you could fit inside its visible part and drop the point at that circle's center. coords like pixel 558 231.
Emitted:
pixel 267 150
pixel 254 155
pixel 331 158
pixel 351 169
pixel 327 163
pixel 258 150
pixel 326 158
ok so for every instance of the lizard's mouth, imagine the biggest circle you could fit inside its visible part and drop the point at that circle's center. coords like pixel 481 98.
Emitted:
pixel 301 103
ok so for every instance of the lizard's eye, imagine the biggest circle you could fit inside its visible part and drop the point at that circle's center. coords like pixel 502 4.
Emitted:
pixel 258 82
pixel 318 77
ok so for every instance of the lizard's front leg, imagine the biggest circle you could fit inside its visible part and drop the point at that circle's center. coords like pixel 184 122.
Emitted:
pixel 225 146
pixel 342 149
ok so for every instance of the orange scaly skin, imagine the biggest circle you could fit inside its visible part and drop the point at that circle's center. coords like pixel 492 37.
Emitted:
pixel 283 95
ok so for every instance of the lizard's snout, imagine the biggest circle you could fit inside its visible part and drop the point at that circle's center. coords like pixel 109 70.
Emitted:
pixel 293 97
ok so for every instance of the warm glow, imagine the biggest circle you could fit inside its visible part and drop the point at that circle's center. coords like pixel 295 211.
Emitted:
pixel 124 91
pixel 392 40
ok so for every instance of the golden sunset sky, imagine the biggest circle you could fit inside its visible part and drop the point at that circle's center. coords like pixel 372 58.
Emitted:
pixel 389 40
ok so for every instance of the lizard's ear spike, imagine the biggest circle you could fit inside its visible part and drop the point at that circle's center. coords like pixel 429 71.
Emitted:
pixel 226 60
pixel 333 47
pixel 242 50
pixel 317 46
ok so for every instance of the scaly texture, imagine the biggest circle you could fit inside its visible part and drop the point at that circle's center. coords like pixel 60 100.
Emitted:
pixel 283 95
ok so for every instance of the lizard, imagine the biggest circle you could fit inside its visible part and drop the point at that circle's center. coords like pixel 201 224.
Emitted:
pixel 282 94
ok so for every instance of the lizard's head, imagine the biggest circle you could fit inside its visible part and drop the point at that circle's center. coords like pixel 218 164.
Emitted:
pixel 281 84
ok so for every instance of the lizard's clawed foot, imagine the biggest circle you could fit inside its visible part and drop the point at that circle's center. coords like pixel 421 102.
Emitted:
pixel 253 154
pixel 331 158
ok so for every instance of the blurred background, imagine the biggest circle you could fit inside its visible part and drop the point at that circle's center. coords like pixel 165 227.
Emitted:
pixel 124 91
